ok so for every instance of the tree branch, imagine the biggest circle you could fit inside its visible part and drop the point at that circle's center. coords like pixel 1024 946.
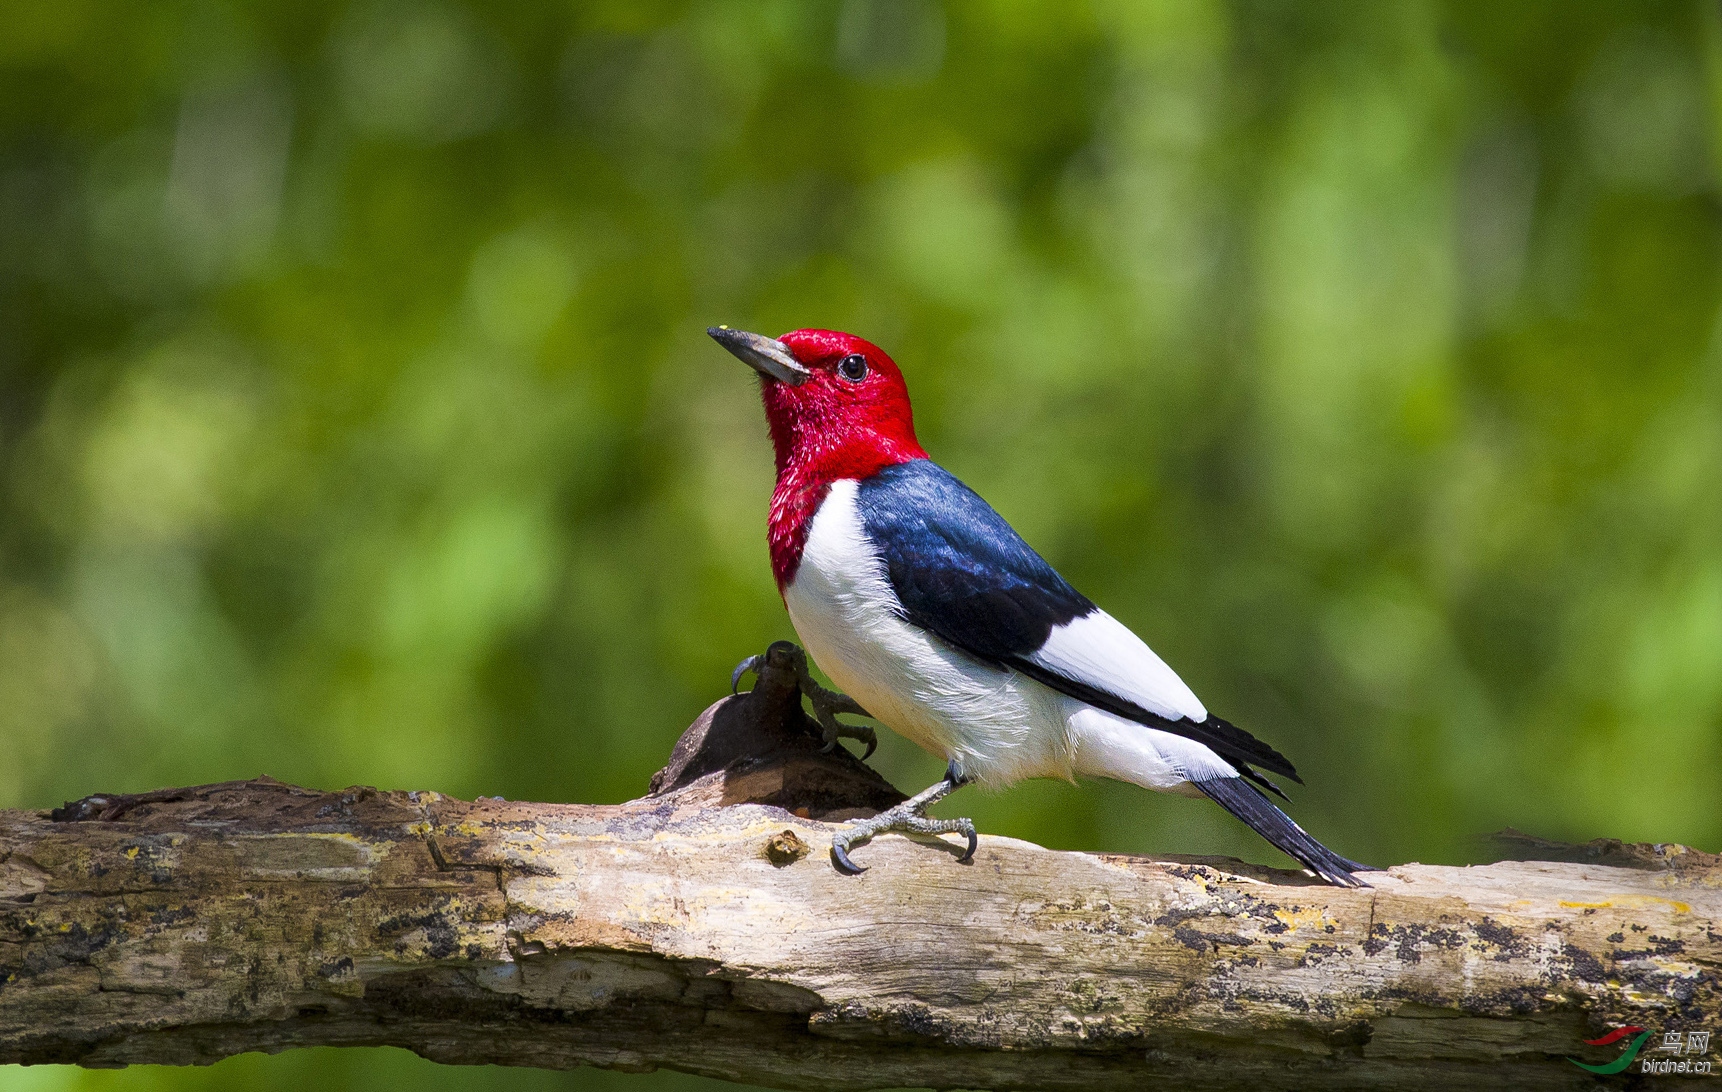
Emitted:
pixel 704 930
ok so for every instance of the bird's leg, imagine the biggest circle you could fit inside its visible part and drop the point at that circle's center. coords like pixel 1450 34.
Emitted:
pixel 826 703
pixel 909 817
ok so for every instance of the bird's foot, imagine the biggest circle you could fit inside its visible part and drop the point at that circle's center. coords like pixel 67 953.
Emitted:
pixel 909 817
pixel 826 703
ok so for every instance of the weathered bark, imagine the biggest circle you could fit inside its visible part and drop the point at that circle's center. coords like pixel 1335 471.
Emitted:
pixel 694 931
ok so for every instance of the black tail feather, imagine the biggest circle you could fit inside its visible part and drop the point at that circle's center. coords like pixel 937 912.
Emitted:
pixel 1232 743
pixel 1259 813
pixel 1262 782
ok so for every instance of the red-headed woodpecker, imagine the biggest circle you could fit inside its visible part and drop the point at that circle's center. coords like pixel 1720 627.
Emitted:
pixel 925 606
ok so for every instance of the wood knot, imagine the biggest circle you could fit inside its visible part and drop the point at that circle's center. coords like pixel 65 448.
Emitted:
pixel 785 848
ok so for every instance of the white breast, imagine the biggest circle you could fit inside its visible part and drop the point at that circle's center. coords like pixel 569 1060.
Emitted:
pixel 997 726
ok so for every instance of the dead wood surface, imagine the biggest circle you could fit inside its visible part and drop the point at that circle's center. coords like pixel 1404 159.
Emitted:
pixel 704 929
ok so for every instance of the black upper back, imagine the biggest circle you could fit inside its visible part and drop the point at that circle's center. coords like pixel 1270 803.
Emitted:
pixel 958 568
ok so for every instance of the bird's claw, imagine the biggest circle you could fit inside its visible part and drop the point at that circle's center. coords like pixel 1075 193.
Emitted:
pixel 909 817
pixel 826 705
pixel 752 663
pixel 836 729
pixel 865 830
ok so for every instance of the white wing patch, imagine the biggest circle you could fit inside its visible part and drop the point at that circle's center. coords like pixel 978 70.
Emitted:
pixel 1097 650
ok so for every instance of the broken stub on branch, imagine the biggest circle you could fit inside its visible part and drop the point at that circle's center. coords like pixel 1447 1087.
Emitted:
pixel 761 747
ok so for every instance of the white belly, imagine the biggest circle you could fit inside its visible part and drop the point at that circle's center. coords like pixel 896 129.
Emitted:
pixel 996 725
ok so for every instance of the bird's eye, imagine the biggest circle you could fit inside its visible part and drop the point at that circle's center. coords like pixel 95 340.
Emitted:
pixel 853 367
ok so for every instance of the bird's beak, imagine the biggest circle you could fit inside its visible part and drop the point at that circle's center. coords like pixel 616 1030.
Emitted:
pixel 768 356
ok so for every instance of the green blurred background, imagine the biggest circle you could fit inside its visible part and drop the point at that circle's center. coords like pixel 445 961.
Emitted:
pixel 357 422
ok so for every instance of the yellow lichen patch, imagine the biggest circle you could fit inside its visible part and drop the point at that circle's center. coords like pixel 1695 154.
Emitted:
pixel 1297 917
pixel 1632 902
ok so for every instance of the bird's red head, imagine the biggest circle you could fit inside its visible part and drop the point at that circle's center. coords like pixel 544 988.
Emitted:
pixel 838 408
pixel 849 417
